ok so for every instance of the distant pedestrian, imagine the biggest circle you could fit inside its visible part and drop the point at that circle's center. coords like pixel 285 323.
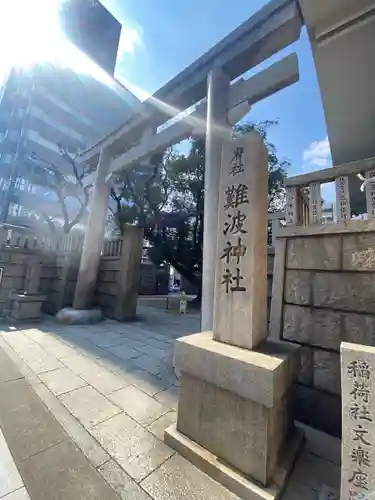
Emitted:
pixel 183 303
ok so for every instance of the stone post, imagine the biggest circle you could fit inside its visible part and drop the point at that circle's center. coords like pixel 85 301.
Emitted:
pixel 241 274
pixel 234 412
pixel 358 421
pixel 92 246
pixel 130 274
pixel 218 84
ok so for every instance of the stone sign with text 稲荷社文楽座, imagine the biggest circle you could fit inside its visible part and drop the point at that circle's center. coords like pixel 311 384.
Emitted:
pixel 358 421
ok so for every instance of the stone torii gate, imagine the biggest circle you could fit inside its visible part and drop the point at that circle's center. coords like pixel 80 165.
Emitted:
pixel 273 28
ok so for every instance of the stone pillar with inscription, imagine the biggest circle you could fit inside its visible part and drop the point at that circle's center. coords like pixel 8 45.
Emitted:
pixel 234 415
pixel 358 421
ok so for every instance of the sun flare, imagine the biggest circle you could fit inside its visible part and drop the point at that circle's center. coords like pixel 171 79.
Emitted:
pixel 30 33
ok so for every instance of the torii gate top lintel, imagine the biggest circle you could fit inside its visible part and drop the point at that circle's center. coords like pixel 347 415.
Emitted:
pixel 272 28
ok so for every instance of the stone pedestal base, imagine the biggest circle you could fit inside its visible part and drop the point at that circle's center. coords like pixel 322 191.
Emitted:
pixel 72 316
pixel 234 409
pixel 26 307
pixel 242 486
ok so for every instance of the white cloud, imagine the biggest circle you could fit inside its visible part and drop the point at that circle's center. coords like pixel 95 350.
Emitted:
pixel 130 40
pixel 318 153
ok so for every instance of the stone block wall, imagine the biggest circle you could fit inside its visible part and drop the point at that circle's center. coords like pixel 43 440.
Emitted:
pixel 153 281
pixel 106 289
pixel 327 283
pixel 119 277
pixel 58 275
pixel 14 264
pixel 58 280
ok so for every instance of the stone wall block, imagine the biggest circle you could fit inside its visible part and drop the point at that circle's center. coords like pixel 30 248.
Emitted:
pixel 107 288
pixel 105 300
pixel 4 295
pixel 270 262
pixel 327 371
pixel 14 270
pixel 10 283
pixel 297 322
pixel 314 327
pixel 44 285
pixel 348 291
pixel 17 256
pixel 110 264
pixel 359 252
pixel 359 328
pixel 48 272
pixel 297 289
pixel 269 287
pixel 317 409
pixel 314 252
pixel 306 373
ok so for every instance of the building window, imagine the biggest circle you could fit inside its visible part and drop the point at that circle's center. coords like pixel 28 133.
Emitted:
pixel 8 157
pixel 20 112
pixel 12 135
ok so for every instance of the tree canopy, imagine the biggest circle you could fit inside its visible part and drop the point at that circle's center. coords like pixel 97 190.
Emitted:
pixel 167 200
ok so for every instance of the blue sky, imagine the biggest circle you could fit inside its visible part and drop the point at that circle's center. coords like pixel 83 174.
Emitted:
pixel 162 37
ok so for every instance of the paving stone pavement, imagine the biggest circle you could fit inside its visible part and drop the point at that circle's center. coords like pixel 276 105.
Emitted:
pixel 11 484
pixel 112 390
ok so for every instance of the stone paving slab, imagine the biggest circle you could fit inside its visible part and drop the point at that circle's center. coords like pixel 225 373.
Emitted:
pixel 7 369
pixel 168 373
pixel 153 352
pixel 159 343
pixel 134 448
pixel 51 465
pixel 298 491
pixel 106 339
pixel 10 478
pixel 124 352
pixel 124 451
pixel 89 406
pixel 138 405
pixel 61 381
pixel 158 426
pixel 178 479
pixel 90 350
pixel 25 424
pixel 87 444
pixel 63 473
pixel 121 482
pixel 80 364
pixel 148 383
pixel 169 397
pixel 104 381
pixel 312 472
pixel 20 494
pixel 32 353
pixel 116 365
pixel 152 365
pixel 51 345
pixel 134 343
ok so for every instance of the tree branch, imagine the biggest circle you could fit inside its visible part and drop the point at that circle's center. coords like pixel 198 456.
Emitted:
pixel 49 221
pixel 80 213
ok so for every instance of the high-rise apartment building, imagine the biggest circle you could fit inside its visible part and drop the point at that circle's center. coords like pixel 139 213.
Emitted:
pixel 43 110
pixel 93 29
